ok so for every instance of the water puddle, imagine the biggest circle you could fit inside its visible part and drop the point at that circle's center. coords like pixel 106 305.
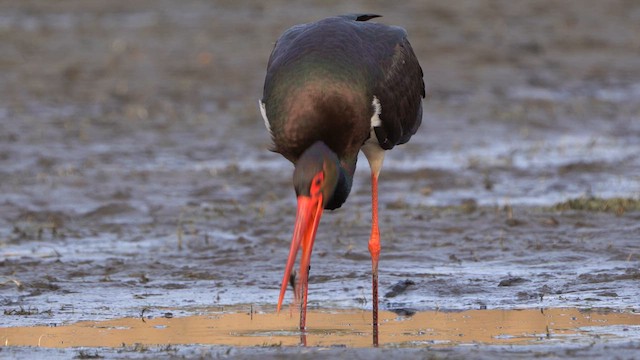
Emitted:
pixel 339 328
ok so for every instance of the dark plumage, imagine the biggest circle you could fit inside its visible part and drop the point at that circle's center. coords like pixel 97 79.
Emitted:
pixel 335 87
pixel 321 80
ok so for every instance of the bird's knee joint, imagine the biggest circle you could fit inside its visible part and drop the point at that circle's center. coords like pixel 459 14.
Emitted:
pixel 374 248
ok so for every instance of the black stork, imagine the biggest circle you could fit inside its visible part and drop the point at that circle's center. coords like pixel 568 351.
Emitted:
pixel 335 87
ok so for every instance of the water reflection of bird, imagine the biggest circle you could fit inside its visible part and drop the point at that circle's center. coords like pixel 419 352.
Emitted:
pixel 333 88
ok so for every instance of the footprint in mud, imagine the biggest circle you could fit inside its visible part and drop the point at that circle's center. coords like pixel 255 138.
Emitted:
pixel 512 281
pixel 407 312
pixel 399 288
pixel 109 210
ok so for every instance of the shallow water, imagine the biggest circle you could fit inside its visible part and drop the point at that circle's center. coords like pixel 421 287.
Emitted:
pixel 263 327
pixel 134 170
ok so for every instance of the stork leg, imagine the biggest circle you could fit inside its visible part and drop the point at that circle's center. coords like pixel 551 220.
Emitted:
pixel 374 249
pixel 375 156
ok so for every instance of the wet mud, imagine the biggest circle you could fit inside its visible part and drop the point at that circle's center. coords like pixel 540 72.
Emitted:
pixel 135 180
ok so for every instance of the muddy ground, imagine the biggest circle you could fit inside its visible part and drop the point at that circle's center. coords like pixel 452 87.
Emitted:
pixel 134 170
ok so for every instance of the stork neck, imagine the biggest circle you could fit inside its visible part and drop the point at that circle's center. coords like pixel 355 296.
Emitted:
pixel 343 188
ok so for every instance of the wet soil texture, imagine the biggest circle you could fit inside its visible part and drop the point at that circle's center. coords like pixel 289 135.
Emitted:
pixel 135 174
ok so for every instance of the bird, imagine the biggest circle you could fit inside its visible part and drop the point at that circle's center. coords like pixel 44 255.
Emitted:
pixel 333 88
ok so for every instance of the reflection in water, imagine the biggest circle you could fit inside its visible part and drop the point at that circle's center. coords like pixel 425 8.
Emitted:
pixel 334 328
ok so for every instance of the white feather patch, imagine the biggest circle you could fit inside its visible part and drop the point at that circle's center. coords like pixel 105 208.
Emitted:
pixel 377 110
pixel 263 111
pixel 374 153
pixel 371 147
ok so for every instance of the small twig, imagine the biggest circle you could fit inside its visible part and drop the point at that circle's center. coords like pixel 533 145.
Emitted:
pixel 142 314
pixel 18 283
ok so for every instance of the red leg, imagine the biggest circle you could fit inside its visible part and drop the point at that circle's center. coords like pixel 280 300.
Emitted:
pixel 374 249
